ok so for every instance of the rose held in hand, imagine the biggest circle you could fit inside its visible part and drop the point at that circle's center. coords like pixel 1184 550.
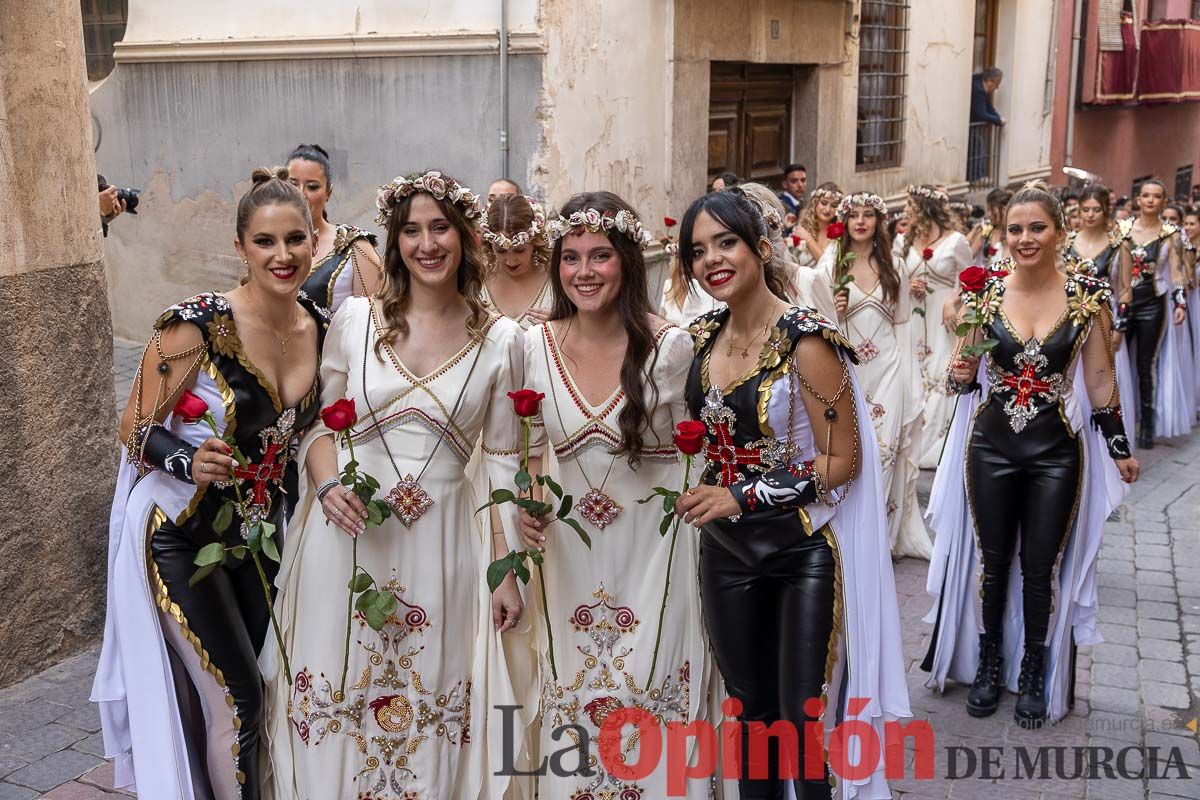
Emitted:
pixel 835 230
pixel 927 253
pixel 972 279
pixel 190 407
pixel 689 437
pixel 526 402
pixel 339 415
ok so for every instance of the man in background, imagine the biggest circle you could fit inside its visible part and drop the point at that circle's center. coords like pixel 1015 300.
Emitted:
pixel 983 89
pixel 795 184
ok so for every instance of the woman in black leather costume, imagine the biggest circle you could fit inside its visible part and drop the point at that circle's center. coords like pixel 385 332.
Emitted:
pixel 766 581
pixel 252 355
pixel 1024 462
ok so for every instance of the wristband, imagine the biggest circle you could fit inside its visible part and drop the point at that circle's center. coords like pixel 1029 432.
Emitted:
pixel 325 486
pixel 782 488
pixel 163 450
pixel 1121 320
pixel 1108 421
pixel 1179 297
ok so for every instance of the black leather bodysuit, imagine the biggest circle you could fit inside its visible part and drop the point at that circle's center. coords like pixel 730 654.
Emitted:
pixel 326 272
pixel 226 611
pixel 766 580
pixel 1146 319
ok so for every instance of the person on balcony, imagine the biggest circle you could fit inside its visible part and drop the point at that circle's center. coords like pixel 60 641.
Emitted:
pixel 983 88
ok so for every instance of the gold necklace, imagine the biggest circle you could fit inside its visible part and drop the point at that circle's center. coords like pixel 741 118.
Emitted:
pixel 730 346
pixel 283 340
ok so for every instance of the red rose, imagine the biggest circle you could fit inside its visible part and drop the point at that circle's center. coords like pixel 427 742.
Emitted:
pixel 972 279
pixel 835 230
pixel 927 253
pixel 190 407
pixel 339 415
pixel 689 437
pixel 669 222
pixel 990 250
pixel 526 402
pixel 796 240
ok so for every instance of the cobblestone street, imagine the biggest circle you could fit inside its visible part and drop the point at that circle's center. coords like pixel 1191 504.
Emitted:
pixel 1139 688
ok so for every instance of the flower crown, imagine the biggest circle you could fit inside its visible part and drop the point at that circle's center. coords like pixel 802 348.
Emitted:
pixel 770 215
pixel 830 193
pixel 433 183
pixel 861 199
pixel 596 221
pixel 520 238
pixel 925 191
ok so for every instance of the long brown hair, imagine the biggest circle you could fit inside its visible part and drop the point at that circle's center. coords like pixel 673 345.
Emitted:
pixel 930 210
pixel 1102 195
pixel 397 278
pixel 881 250
pixel 808 217
pixel 634 306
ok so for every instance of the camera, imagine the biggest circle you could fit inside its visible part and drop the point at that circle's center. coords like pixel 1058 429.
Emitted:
pixel 126 195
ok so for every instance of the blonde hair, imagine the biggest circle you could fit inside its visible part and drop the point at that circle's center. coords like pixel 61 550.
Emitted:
pixel 1038 193
pixel 808 217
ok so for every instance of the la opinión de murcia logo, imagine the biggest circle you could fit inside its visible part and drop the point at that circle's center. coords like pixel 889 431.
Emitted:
pixel 698 750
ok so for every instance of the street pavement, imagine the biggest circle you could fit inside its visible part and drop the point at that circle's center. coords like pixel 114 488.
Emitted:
pixel 1138 689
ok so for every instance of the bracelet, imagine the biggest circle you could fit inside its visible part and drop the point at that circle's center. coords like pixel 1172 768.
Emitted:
pixel 1121 320
pixel 325 486
pixel 1108 420
pixel 1179 297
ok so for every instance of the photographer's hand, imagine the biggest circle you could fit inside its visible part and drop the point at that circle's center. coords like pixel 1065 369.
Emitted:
pixel 110 206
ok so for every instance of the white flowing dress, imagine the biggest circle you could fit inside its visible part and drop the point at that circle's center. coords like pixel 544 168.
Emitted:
pixel 604 602
pixel 934 345
pixel 882 333
pixel 417 719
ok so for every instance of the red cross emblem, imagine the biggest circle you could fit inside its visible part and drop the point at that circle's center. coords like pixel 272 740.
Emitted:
pixel 1026 384
pixel 269 469
pixel 728 455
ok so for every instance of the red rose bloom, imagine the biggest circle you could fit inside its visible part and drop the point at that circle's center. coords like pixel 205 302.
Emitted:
pixel 835 230
pixel 339 415
pixel 190 407
pixel 990 250
pixel 689 437
pixel 526 402
pixel 669 222
pixel 927 253
pixel 972 279
pixel 796 240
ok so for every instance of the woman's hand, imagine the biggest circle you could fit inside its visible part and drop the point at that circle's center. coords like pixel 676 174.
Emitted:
pixel 1129 469
pixel 1180 315
pixel 705 503
pixel 213 462
pixel 343 508
pixel 532 530
pixel 538 315
pixel 506 604
pixel 950 313
pixel 917 287
pixel 841 301
pixel 965 369
pixel 1117 338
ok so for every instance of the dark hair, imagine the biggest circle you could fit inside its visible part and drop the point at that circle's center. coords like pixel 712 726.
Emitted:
pixel 634 306
pixel 318 155
pixel 1069 196
pixel 992 73
pixel 933 208
pixel 998 198
pixel 790 168
pixel 730 179
pixel 881 248
pixel 1177 207
pixel 393 295
pixel 741 217
pixel 1101 194
pixel 1191 211
pixel 516 186
pixel 1037 193
pixel 270 188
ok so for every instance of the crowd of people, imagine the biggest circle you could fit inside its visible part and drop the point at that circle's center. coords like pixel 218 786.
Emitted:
pixel 307 600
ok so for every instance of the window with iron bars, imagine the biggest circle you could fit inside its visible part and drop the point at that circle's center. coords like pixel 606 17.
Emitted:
pixel 882 76
pixel 103 26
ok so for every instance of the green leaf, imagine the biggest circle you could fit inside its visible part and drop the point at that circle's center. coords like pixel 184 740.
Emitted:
pixel 370 481
pixel 365 601
pixel 387 603
pixel 238 552
pixel 360 583
pixel 919 310
pixel 536 557
pixel 374 516
pixel 554 488
pixel 270 549
pixel 385 510
pixel 521 571
pixel 503 496
pixel 664 526
pixel 523 481
pixel 268 529
pixel 568 503
pixel 201 574
pixel 364 493
pixel 962 329
pixel 254 537
pixel 224 517
pixel 347 480
pixel 212 553
pixel 587 540
pixel 987 344
pixel 497 570
pixel 375 618
pixel 351 467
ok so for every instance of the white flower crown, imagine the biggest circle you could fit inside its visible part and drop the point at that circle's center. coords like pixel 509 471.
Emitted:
pixel 596 221
pixel 925 191
pixel 520 238
pixel 820 193
pixel 861 199
pixel 433 183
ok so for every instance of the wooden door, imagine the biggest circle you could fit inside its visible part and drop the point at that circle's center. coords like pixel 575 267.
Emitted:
pixel 750 120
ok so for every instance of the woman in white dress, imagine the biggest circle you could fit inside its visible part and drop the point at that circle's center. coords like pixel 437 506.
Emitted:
pixel 814 222
pixel 428 367
pixel 987 239
pixel 934 253
pixel 517 254
pixel 875 312
pixel 613 375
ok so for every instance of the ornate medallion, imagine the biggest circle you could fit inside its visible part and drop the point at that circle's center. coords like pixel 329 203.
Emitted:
pixel 598 508
pixel 866 351
pixel 408 500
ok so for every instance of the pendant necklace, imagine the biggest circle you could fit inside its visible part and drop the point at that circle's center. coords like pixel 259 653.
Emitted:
pixel 408 499
pixel 283 341
pixel 595 507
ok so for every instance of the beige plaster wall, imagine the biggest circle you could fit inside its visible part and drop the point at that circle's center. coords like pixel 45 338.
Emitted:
pixel 1022 50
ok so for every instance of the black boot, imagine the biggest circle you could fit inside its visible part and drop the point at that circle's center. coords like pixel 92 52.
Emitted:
pixel 1145 437
pixel 1031 705
pixel 984 696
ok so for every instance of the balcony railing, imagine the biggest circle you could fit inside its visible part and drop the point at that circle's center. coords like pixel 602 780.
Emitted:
pixel 983 155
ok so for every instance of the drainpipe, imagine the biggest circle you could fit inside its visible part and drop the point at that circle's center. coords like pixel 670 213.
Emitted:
pixel 504 88
pixel 1073 78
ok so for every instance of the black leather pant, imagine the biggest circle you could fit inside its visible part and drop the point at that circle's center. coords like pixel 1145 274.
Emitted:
pixel 769 624
pixel 227 612
pixel 1147 320
pixel 1027 482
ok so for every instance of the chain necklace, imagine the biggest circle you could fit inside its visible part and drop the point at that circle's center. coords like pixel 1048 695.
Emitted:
pixel 283 340
pixel 745 351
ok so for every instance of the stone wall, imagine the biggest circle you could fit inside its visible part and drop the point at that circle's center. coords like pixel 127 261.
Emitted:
pixel 57 420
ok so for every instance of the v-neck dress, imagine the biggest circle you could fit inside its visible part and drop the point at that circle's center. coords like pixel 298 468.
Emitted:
pixel 416 719
pixel 604 602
